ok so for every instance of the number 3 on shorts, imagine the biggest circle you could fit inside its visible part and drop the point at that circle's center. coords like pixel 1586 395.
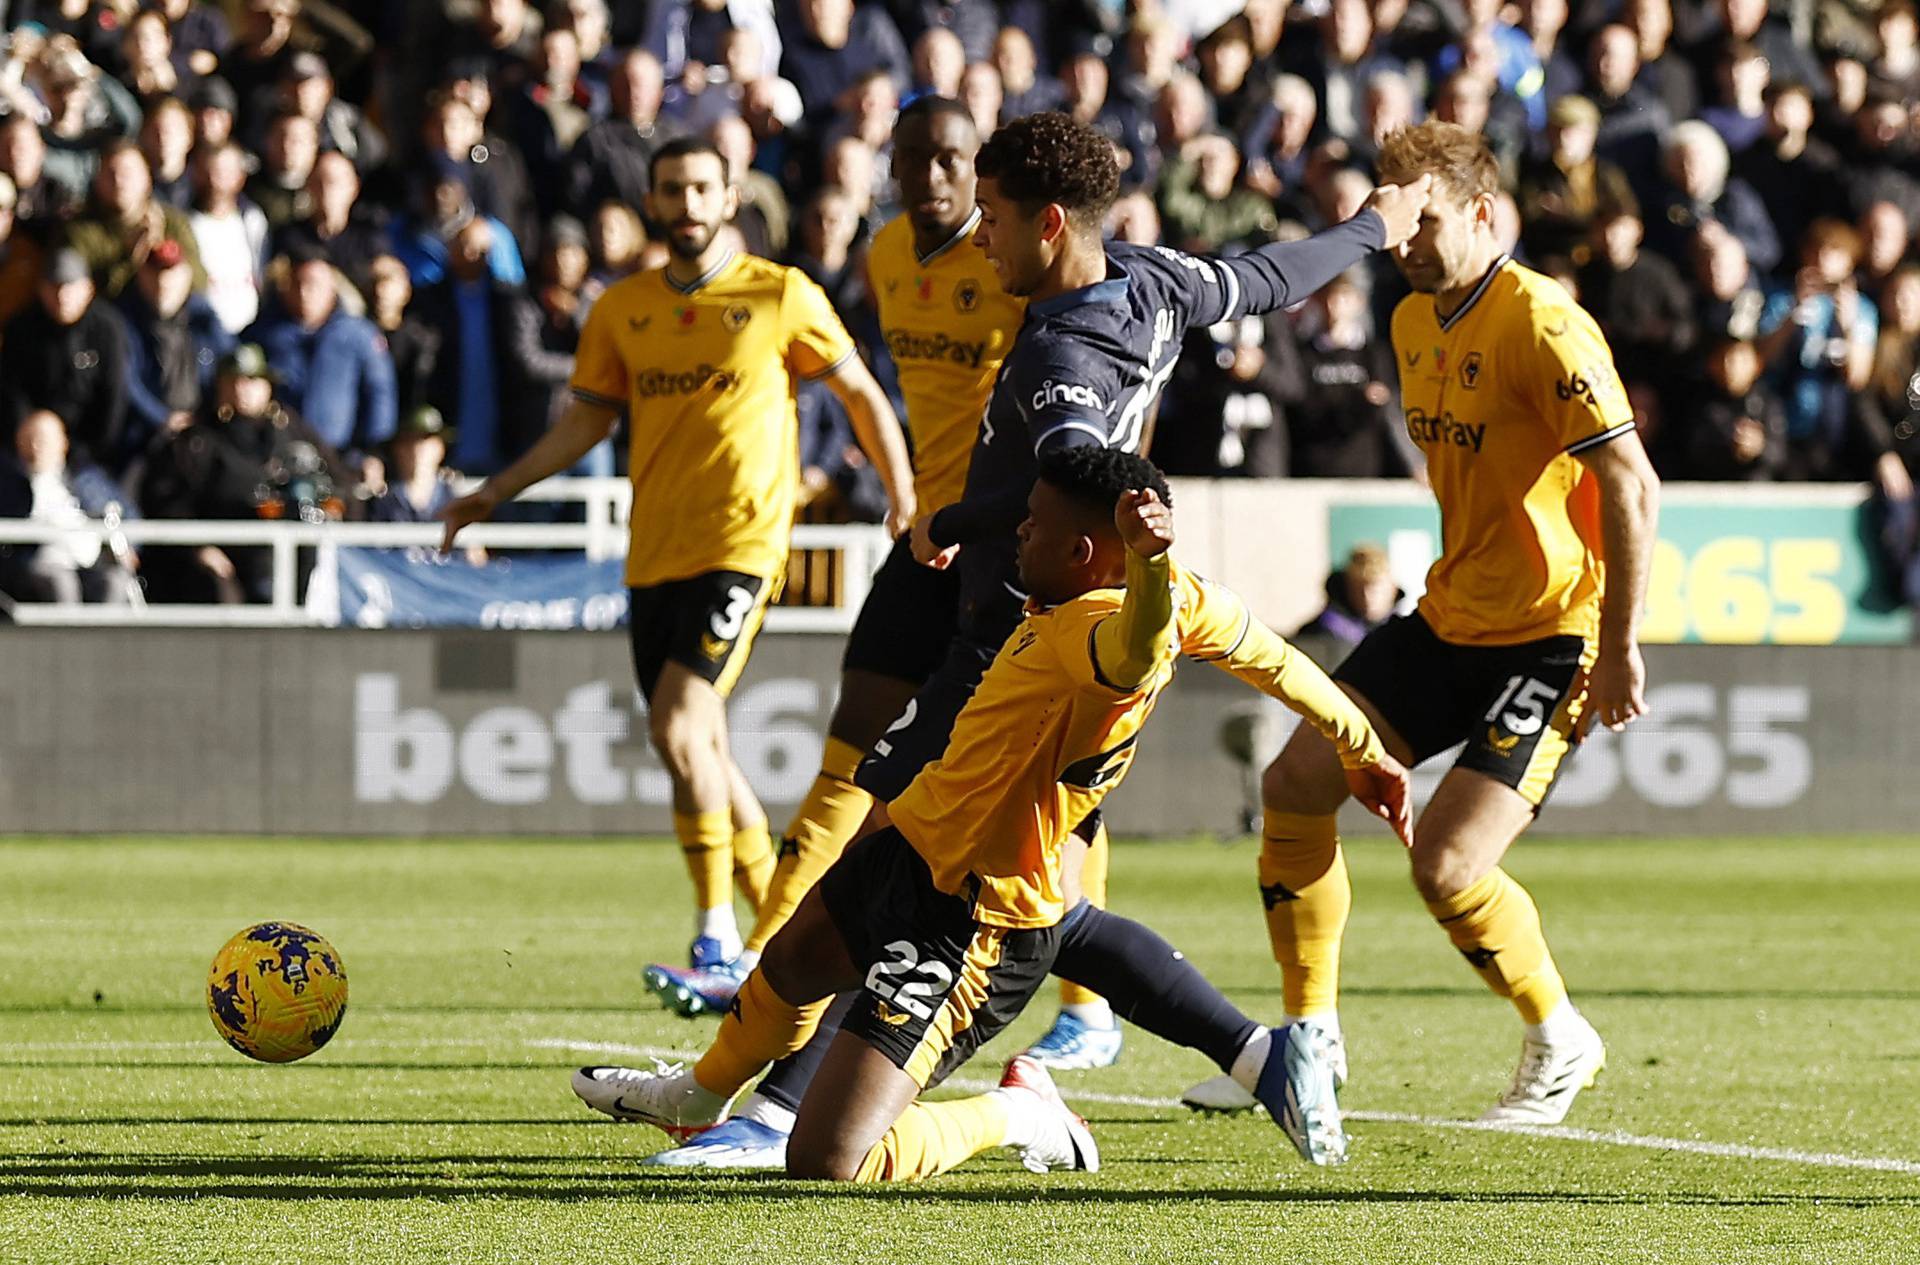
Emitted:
pixel 726 624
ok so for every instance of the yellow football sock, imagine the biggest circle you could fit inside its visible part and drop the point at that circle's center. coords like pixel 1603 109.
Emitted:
pixel 827 820
pixel 753 863
pixel 757 1029
pixel 1496 927
pixel 1303 883
pixel 1093 885
pixel 706 840
pixel 931 1138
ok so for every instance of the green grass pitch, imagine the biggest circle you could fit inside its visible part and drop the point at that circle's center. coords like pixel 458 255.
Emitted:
pixel 1762 995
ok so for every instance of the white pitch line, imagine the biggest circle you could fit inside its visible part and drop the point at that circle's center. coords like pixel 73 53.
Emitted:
pixel 1641 1141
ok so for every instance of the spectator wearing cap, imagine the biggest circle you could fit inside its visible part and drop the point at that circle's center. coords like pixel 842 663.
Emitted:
pixel 492 376
pixel 19 257
pixel 826 44
pixel 287 155
pixel 86 110
pixel 560 290
pixel 231 233
pixel 166 141
pixel 247 456
pixel 41 482
pixel 125 222
pixel 200 35
pixel 306 89
pixel 214 106
pixel 1798 176
pixel 441 208
pixel 174 340
pixel 1698 187
pixel 333 366
pixel 458 126
pixel 610 160
pixel 420 486
pixel 336 222
pixel 1562 189
pixel 1023 89
pixel 68 353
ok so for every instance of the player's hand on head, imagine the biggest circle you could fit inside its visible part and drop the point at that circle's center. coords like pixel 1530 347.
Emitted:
pixel 1616 690
pixel 475 507
pixel 1400 206
pixel 1384 791
pixel 1145 522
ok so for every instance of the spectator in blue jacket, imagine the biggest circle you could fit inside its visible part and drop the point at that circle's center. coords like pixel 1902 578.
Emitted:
pixel 334 367
pixel 174 340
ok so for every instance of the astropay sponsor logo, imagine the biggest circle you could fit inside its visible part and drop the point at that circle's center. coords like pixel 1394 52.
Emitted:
pixel 592 748
pixel 1052 393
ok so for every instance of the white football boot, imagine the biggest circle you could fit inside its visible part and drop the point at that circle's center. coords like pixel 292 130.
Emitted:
pixel 1550 1076
pixel 667 1097
pixel 1051 1135
pixel 1225 1094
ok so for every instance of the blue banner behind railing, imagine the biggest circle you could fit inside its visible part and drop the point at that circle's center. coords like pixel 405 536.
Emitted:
pixel 419 588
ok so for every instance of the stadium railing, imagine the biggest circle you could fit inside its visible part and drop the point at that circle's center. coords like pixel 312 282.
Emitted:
pixel 856 550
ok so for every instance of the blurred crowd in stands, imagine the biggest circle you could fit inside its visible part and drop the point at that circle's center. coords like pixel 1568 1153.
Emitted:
pixel 264 258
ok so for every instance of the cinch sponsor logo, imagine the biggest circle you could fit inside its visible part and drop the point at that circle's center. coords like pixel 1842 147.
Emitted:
pixel 688 382
pixel 907 345
pixel 1444 429
pixel 1052 392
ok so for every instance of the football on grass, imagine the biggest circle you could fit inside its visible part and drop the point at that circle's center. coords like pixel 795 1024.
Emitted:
pixel 277 992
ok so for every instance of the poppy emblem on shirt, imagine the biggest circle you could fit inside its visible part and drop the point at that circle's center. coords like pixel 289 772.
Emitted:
pixel 1470 370
pixel 924 286
pixel 735 318
pixel 683 316
pixel 966 296
pixel 1440 360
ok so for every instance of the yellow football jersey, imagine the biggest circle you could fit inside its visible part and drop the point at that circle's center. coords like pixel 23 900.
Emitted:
pixel 707 374
pixel 1502 397
pixel 948 325
pixel 1045 738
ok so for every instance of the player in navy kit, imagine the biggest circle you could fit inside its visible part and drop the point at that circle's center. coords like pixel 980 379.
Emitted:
pixel 1103 328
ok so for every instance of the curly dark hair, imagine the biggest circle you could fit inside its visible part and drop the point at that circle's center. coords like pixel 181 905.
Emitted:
pixel 1095 478
pixel 1050 158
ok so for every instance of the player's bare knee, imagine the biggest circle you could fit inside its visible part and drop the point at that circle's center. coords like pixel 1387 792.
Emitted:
pixel 832 1161
pixel 683 739
pixel 1299 781
pixel 1440 868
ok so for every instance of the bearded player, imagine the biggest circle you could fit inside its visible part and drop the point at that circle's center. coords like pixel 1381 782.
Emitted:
pixel 1527 634
pixel 703 355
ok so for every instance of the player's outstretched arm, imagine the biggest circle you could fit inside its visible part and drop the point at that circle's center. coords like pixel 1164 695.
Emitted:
pixel 878 432
pixel 1285 273
pixel 1629 514
pixel 1130 646
pixel 1268 662
pixel 583 425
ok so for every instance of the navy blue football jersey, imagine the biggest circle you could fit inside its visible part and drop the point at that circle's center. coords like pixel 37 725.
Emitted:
pixel 1088 366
